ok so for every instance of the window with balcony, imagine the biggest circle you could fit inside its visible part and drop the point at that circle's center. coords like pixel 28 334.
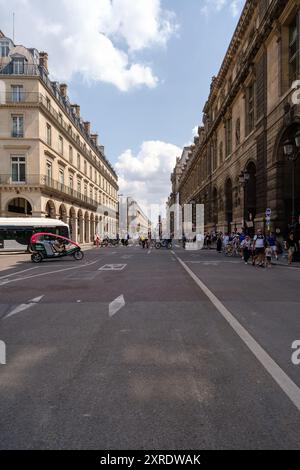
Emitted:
pixel 17 93
pixel 79 186
pixel 18 66
pixel 61 145
pixel 61 176
pixel 49 134
pixel 78 161
pixel 71 154
pixel 18 126
pixel 85 167
pixel 49 171
pixel 293 51
pixel 4 48
pixel 71 182
pixel 18 169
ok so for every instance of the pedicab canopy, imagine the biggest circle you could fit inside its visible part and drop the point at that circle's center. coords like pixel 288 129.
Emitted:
pixel 40 237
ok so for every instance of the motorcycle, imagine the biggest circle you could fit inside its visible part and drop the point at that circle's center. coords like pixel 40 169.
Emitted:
pixel 109 242
pixel 49 246
pixel 164 244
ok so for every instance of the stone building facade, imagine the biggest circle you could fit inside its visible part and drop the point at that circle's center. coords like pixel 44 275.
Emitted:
pixel 237 166
pixel 51 165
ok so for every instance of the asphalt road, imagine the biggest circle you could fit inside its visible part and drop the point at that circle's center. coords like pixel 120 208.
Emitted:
pixel 125 350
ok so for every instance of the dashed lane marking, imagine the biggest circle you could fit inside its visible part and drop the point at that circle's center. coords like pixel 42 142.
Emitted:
pixel 23 307
pixel 116 305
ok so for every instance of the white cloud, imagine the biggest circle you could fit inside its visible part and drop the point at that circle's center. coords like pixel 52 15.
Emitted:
pixel 146 176
pixel 95 38
pixel 212 6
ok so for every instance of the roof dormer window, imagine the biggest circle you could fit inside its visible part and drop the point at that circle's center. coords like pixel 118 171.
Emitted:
pixel 4 48
pixel 18 66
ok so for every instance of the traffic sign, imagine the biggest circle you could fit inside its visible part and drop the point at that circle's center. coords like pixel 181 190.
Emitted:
pixel 268 213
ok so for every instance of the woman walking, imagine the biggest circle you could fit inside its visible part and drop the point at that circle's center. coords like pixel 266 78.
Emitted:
pixel 291 246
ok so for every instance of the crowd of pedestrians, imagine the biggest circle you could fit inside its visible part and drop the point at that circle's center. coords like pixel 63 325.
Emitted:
pixel 259 250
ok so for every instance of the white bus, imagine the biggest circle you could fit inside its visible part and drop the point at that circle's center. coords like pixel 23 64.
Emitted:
pixel 15 233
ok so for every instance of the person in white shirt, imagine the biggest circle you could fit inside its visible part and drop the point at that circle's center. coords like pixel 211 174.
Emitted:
pixel 259 249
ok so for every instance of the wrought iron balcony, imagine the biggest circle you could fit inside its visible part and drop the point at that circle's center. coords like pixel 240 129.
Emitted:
pixel 50 186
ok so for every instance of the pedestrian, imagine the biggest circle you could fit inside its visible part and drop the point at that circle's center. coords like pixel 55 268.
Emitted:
pixel 219 243
pixel 143 241
pixel 259 249
pixel 269 253
pixel 271 239
pixel 97 240
pixel 291 247
pixel 246 248
pixel 183 241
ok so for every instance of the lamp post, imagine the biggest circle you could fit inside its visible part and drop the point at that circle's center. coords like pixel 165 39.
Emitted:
pixel 244 180
pixel 291 149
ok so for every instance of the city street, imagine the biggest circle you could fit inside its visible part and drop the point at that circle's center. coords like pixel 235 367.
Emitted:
pixel 133 349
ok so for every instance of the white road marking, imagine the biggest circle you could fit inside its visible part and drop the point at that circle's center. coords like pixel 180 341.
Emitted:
pixel 280 377
pixel 47 273
pixel 18 272
pixel 116 305
pixel 23 307
pixel 113 267
pixel 149 252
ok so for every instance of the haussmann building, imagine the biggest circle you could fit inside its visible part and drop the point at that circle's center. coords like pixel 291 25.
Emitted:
pixel 51 165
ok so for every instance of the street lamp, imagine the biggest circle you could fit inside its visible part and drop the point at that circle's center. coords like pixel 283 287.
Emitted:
pixel 291 150
pixel 244 178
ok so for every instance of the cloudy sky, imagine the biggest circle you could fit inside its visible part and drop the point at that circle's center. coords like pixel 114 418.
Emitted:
pixel 140 69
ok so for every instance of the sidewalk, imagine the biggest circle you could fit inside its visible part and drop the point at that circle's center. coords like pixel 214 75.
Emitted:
pixel 284 262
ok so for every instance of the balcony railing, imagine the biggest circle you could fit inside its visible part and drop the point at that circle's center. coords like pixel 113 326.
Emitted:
pixel 48 183
pixel 12 68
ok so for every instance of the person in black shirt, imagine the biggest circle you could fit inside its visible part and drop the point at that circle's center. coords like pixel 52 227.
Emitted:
pixel 291 246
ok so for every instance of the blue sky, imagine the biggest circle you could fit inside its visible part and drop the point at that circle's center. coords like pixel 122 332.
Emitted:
pixel 142 82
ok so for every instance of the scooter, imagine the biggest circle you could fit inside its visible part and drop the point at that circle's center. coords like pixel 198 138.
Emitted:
pixel 49 246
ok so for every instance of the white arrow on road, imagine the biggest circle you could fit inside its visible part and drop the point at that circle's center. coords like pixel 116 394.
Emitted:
pixel 23 307
pixel 116 305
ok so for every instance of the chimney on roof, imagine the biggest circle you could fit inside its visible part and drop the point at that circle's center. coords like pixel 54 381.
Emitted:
pixel 76 108
pixel 94 138
pixel 44 60
pixel 63 90
pixel 87 127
